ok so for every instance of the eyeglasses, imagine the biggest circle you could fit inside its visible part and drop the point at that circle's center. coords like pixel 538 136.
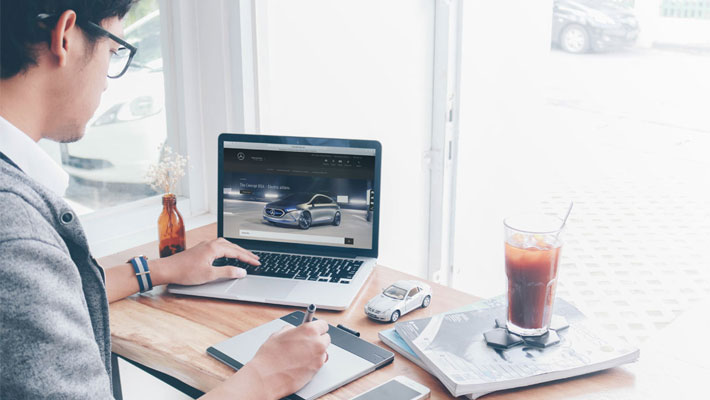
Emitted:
pixel 120 59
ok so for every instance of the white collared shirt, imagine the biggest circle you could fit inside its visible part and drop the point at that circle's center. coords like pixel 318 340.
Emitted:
pixel 31 159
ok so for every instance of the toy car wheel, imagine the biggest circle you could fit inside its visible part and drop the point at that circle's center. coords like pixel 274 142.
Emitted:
pixel 304 222
pixel 336 219
pixel 426 302
pixel 395 316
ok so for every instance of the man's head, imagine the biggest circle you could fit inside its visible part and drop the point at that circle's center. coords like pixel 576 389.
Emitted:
pixel 51 47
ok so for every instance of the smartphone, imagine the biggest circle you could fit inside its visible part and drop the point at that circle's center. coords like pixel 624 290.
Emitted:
pixel 397 388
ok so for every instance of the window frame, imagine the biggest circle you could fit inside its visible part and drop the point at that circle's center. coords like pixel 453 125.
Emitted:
pixel 443 155
pixel 131 223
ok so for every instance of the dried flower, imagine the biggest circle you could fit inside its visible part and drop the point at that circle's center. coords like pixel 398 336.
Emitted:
pixel 167 172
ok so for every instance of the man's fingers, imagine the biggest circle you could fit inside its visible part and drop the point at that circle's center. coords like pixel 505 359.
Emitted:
pixel 233 251
pixel 325 340
pixel 282 330
pixel 230 244
pixel 319 326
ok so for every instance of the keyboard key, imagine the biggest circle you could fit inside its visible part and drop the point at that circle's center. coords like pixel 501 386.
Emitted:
pixel 220 262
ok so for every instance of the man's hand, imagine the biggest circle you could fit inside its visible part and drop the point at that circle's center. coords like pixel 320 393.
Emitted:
pixel 190 267
pixel 194 265
pixel 281 366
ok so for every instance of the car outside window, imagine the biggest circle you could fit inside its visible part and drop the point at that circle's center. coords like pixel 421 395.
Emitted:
pixel 413 292
pixel 108 166
pixel 395 292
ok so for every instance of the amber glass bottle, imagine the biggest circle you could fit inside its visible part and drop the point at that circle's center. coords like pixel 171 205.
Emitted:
pixel 171 229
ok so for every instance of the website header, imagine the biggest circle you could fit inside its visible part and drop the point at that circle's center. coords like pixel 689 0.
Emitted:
pixel 300 148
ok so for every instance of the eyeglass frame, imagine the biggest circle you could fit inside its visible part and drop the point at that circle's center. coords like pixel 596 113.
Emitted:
pixel 133 49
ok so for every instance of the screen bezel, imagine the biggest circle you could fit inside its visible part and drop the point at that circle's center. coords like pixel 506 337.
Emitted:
pixel 298 247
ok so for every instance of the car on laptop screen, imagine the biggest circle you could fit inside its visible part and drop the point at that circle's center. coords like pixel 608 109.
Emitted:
pixel 303 210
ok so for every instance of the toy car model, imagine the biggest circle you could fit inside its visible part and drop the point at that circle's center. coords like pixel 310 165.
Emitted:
pixel 398 299
pixel 303 210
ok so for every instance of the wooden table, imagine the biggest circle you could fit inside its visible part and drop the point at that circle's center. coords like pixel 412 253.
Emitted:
pixel 170 333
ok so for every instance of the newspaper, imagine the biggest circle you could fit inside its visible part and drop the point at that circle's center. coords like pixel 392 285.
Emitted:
pixel 453 348
pixel 392 339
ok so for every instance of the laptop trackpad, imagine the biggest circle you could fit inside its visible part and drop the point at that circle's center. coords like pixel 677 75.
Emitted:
pixel 263 288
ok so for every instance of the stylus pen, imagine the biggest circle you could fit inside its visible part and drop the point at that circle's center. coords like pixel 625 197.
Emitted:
pixel 308 316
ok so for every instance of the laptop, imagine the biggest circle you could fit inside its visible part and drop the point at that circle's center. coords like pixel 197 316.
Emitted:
pixel 308 207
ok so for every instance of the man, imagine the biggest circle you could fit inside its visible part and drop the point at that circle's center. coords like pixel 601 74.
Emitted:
pixel 55 58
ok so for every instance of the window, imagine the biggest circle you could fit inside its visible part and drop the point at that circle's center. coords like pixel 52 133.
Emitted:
pixel 413 292
pixel 609 113
pixel 167 96
pixel 395 292
pixel 107 167
pixel 321 200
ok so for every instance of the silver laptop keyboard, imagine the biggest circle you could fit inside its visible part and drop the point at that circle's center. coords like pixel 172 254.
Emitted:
pixel 295 266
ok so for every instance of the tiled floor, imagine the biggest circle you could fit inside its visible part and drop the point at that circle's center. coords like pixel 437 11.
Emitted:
pixel 635 256
pixel 635 260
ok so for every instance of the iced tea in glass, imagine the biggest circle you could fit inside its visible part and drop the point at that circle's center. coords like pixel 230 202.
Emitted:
pixel 532 253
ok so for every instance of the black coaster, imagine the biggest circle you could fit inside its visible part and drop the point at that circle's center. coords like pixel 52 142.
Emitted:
pixel 500 338
pixel 546 340
pixel 558 323
pixel 500 323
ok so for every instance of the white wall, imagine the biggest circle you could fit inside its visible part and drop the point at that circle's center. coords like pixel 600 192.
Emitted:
pixel 359 69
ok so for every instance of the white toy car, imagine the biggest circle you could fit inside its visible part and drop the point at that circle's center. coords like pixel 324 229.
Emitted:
pixel 398 299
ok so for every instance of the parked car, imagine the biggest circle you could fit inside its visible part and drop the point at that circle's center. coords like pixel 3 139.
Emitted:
pixel 398 299
pixel 303 210
pixel 128 130
pixel 580 26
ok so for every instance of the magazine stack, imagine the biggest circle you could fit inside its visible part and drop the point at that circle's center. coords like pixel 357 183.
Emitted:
pixel 452 347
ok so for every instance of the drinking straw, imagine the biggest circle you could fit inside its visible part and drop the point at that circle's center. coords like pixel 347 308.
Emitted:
pixel 564 221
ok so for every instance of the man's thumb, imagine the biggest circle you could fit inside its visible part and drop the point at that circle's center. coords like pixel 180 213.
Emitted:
pixel 233 272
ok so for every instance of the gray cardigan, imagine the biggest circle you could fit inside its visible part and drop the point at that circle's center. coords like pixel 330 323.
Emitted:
pixel 54 328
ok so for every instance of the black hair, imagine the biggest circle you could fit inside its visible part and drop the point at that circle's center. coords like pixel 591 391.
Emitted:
pixel 20 31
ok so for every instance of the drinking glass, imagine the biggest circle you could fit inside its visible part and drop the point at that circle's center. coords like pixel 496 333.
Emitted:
pixel 532 253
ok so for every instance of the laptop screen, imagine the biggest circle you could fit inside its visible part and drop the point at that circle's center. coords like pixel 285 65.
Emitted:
pixel 300 194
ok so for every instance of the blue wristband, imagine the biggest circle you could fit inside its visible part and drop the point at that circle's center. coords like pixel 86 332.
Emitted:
pixel 140 266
